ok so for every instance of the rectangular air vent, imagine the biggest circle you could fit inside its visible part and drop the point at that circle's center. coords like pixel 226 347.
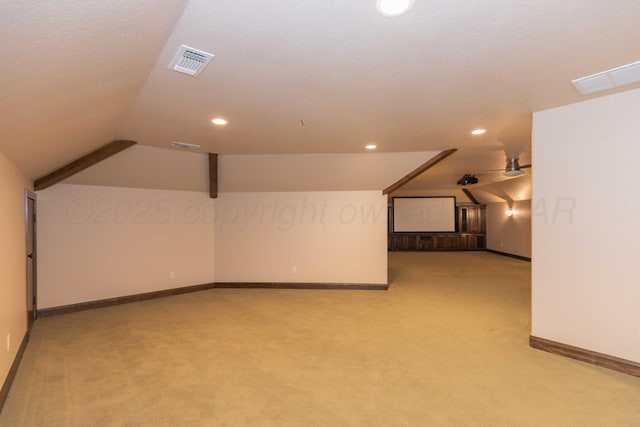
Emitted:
pixel 178 144
pixel 190 61
pixel 608 79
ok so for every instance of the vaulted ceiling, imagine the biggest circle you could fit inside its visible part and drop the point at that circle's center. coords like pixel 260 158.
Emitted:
pixel 78 74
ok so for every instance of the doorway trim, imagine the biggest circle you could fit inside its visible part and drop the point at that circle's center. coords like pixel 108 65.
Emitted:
pixel 31 293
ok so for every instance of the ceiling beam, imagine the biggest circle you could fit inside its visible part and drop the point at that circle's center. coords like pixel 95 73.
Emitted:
pixel 420 170
pixel 471 197
pixel 81 164
pixel 213 175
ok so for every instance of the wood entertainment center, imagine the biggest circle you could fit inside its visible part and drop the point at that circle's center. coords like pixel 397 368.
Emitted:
pixel 471 234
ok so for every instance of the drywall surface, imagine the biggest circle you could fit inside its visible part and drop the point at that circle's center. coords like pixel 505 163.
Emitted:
pixel 103 242
pixel 510 234
pixel 164 169
pixel 81 65
pixel 316 172
pixel 149 167
pixel 307 237
pixel 586 291
pixel 13 279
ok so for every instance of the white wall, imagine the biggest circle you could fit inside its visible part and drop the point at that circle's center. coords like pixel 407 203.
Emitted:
pixel 586 274
pixel 102 242
pixel 509 234
pixel 333 237
pixel 13 281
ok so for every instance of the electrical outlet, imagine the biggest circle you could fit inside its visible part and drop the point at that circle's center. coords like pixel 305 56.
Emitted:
pixel 294 269
pixel 172 275
pixel 8 342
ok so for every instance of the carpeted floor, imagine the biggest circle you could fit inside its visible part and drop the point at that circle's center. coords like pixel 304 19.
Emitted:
pixel 447 345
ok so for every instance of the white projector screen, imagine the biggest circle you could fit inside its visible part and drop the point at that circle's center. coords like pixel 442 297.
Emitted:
pixel 424 214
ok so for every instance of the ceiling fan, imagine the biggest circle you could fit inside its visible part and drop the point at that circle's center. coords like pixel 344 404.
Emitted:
pixel 512 169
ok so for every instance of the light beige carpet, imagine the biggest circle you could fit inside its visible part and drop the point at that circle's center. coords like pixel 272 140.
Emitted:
pixel 447 345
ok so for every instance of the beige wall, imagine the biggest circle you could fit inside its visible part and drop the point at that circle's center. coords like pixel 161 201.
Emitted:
pixel 149 167
pixel 102 242
pixel 586 290
pixel 93 247
pixel 316 172
pixel 509 234
pixel 335 237
pixel 171 169
pixel 13 298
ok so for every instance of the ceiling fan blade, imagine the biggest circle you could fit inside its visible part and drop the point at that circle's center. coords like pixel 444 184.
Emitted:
pixel 489 171
pixel 525 166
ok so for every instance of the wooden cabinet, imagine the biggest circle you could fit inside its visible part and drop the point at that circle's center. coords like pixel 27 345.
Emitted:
pixel 471 219
pixel 436 242
pixel 472 242
pixel 470 236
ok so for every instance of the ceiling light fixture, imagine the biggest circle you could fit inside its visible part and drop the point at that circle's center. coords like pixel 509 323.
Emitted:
pixel 509 212
pixel 478 131
pixel 218 121
pixel 393 8
pixel 371 147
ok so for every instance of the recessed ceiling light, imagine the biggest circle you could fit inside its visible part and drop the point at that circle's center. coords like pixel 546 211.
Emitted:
pixel 393 8
pixel 478 131
pixel 371 147
pixel 218 121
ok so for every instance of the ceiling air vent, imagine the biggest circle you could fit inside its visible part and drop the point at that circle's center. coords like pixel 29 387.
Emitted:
pixel 190 61
pixel 178 144
pixel 608 79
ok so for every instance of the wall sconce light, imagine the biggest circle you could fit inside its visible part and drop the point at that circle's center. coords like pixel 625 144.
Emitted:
pixel 510 212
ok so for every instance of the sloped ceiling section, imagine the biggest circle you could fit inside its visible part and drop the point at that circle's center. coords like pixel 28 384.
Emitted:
pixel 157 168
pixel 486 160
pixel 508 190
pixel 71 70
pixel 79 74
pixel 500 191
pixel 418 82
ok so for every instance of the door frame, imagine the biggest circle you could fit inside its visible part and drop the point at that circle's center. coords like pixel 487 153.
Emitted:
pixel 30 195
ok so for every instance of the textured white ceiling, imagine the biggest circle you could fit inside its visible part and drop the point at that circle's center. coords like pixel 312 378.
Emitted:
pixel 419 82
pixel 70 71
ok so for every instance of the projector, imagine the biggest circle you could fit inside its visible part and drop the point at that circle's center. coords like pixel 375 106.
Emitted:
pixel 468 179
